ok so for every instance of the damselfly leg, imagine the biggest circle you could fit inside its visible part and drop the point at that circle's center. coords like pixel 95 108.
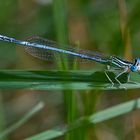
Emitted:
pixel 117 80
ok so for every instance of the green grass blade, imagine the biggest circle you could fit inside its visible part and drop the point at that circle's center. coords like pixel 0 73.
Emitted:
pixel 62 80
pixel 98 117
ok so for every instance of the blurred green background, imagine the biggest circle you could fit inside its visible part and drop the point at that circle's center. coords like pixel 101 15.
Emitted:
pixel 110 27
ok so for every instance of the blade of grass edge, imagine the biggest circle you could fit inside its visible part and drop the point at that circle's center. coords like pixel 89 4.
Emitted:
pixel 23 120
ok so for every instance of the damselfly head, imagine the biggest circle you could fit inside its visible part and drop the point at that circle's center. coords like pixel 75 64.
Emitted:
pixel 136 66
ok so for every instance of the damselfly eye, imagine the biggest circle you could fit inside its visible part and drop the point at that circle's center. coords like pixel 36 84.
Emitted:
pixel 133 68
